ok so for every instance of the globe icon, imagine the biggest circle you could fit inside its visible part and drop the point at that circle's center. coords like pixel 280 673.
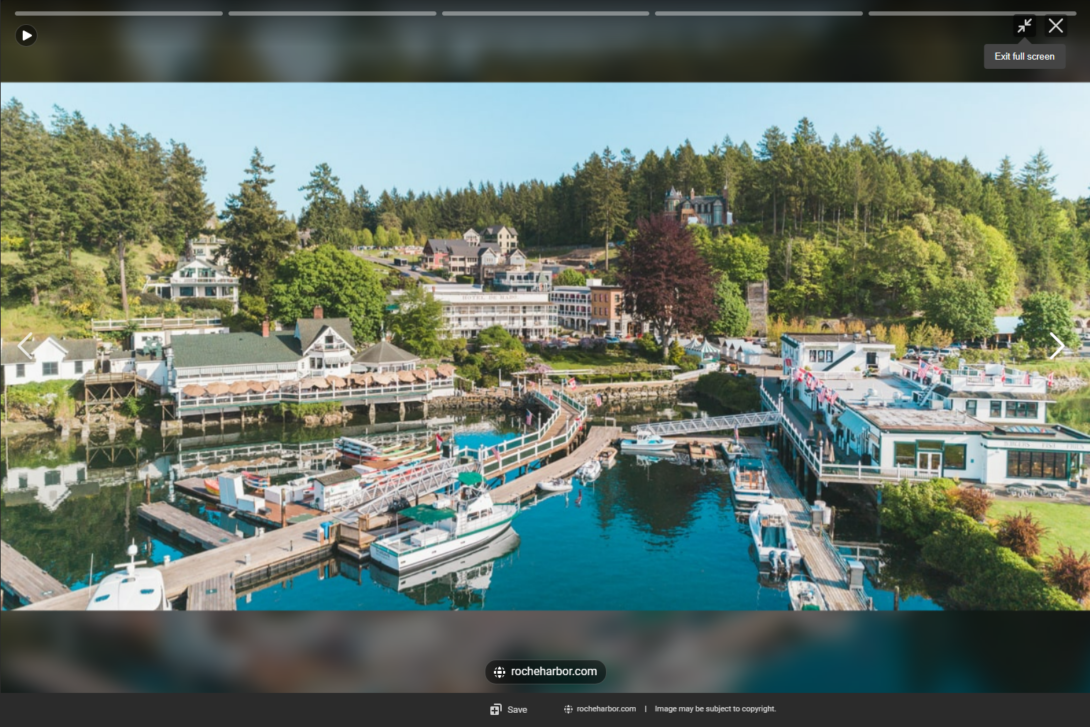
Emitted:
pixel 499 672
pixel 568 709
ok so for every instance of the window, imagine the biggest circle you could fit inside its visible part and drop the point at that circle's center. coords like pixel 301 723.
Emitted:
pixel 186 291
pixel 1037 465
pixel 53 477
pixel 1022 409
pixel 49 368
pixel 813 356
pixel 953 456
pixel 20 371
pixel 970 407
pixel 316 363
pixel 996 410
pixel 24 482
pixel 929 444
pixel 210 291
pixel 904 454
pixel 79 367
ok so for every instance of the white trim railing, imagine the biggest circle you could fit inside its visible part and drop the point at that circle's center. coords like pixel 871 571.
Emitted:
pixel 149 323
pixel 302 397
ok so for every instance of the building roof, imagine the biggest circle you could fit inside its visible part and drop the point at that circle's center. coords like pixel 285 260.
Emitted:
pixel 78 349
pixel 462 248
pixel 311 328
pixel 946 391
pixel 385 352
pixel 495 229
pixel 899 419
pixel 1040 432
pixel 832 338
pixel 233 349
pixel 338 477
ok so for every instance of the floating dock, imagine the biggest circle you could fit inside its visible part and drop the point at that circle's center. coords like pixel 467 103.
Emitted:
pixel 598 438
pixel 23 582
pixel 271 517
pixel 214 594
pixel 204 535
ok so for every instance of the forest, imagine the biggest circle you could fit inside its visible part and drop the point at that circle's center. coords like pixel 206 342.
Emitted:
pixel 852 227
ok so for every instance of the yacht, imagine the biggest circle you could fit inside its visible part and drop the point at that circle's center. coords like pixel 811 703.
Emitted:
pixel 773 538
pixel 647 441
pixel 804 594
pixel 589 471
pixel 749 480
pixel 471 521
pixel 134 589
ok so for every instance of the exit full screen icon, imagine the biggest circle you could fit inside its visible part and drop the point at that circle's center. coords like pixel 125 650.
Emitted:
pixel 1025 26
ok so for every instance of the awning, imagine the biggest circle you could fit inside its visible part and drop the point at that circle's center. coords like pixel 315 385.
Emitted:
pixel 470 478
pixel 426 514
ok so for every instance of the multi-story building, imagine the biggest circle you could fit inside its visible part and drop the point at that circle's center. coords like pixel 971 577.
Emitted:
pixel 572 306
pixel 608 316
pixel 468 310
pixel 506 237
pixel 518 279
pixel 196 279
pixel 52 359
pixel 475 254
pixel 707 210
pixel 835 352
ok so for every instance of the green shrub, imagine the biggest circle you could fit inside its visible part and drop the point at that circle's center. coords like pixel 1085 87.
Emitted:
pixel 737 394
pixel 915 511
pixel 223 307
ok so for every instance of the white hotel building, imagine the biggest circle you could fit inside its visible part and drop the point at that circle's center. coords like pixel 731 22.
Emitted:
pixel 467 311
pixel 572 306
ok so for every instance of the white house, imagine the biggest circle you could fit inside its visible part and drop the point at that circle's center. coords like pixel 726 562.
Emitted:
pixel 835 353
pixel 196 279
pixel 467 310
pixel 993 393
pixel 51 359
pixel 333 490
pixel 740 351
pixel 572 304
pixel 949 443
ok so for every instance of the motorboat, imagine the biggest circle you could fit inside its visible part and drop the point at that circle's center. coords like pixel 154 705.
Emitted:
pixel 558 485
pixel 647 441
pixel 749 480
pixel 134 589
pixel 589 471
pixel 256 481
pixel 772 537
pixel 471 521
pixel 734 450
pixel 607 457
pixel 805 595
pixel 212 485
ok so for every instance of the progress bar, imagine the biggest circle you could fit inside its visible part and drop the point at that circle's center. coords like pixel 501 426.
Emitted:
pixel 546 13
pixel 757 13
pixel 964 13
pixel 120 13
pixel 332 13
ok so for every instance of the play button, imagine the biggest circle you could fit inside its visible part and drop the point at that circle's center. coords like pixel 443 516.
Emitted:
pixel 26 35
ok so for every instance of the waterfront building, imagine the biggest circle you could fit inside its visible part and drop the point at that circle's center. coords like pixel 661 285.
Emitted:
pixel 384 357
pixel 468 310
pixel 572 306
pixel 196 279
pixel 52 359
pixel 608 316
pixel 835 353
pixel 740 351
pixel 519 279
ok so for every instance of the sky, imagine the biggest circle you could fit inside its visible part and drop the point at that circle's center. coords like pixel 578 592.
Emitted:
pixel 432 136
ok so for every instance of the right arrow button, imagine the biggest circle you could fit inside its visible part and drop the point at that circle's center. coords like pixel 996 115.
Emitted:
pixel 1058 350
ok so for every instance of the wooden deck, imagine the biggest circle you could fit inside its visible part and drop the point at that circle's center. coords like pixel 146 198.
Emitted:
pixel 820 561
pixel 191 529
pixel 214 594
pixel 296 512
pixel 24 582
pixel 598 438
pixel 251 561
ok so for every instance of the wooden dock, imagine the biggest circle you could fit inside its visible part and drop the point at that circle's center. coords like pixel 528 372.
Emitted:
pixel 598 438
pixel 819 559
pixel 271 517
pixel 214 594
pixel 191 529
pixel 24 582
pixel 253 561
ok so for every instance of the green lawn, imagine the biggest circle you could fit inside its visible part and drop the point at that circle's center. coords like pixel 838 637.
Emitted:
pixel 1073 409
pixel 1068 523
pixel 574 358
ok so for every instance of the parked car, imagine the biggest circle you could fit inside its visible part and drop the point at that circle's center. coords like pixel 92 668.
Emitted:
pixel 950 351
pixel 612 339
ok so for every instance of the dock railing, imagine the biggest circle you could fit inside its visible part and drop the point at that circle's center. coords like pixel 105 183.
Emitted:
pixel 280 396
pixel 149 323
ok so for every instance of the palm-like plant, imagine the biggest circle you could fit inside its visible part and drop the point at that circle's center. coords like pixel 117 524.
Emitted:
pixel 1070 573
pixel 973 501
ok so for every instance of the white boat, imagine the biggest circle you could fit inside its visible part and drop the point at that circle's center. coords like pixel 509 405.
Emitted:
pixel 647 441
pixel 773 538
pixel 443 533
pixel 607 457
pixel 749 480
pixel 589 471
pixel 734 450
pixel 135 589
pixel 558 485
pixel 804 594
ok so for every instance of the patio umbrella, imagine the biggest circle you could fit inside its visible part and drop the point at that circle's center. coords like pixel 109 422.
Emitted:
pixel 240 387
pixel 421 375
pixel 256 387
pixel 193 390
pixel 406 377
pixel 336 381
pixel 365 379
pixel 217 389
pixel 318 382
pixel 445 370
pixel 272 386
pixel 384 379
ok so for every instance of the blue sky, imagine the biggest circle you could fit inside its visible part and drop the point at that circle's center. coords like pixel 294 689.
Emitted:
pixel 431 136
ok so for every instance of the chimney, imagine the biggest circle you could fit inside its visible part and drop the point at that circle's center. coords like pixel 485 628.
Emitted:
pixel 317 312
pixel 265 328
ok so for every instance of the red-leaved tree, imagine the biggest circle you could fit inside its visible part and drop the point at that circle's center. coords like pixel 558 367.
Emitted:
pixel 666 281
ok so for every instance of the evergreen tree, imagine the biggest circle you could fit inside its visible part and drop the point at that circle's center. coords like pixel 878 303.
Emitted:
pixel 733 317
pixel 127 212
pixel 188 208
pixel 327 213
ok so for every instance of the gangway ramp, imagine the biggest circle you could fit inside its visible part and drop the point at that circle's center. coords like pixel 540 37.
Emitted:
pixel 710 424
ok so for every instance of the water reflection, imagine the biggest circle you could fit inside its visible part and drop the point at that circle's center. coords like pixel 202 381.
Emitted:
pixel 462 581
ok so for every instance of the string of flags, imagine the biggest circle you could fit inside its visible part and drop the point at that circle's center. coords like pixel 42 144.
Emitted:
pixel 813 383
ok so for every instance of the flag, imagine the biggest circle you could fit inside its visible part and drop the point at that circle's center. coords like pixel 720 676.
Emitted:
pixel 1027 378
pixel 736 434
pixel 597 399
pixel 529 418
pixel 1050 379
pixel 833 396
pixel 982 374
pixel 571 383
pixel 438 443
pixel 496 451
pixel 1003 378
pixel 798 375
